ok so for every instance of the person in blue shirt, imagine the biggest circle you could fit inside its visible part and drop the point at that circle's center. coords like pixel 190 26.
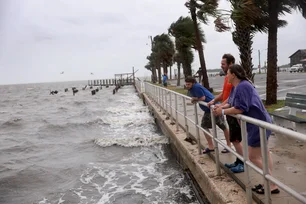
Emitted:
pixel 165 79
pixel 199 93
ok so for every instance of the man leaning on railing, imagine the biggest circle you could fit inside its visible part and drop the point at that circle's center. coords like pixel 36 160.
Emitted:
pixel 199 93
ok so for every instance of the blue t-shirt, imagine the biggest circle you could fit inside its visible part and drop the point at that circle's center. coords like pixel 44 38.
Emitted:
pixel 199 91
pixel 245 97
pixel 165 79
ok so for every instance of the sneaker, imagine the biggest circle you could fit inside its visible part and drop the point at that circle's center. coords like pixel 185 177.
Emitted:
pixel 230 165
pixel 238 169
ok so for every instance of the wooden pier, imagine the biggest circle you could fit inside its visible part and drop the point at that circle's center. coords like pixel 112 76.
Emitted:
pixel 119 80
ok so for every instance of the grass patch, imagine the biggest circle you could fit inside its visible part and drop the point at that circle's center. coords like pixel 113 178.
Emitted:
pixel 271 108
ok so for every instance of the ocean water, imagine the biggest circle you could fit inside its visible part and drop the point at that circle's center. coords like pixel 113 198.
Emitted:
pixel 84 149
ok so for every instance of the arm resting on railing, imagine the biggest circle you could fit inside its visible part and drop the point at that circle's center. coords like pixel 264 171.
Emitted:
pixel 232 110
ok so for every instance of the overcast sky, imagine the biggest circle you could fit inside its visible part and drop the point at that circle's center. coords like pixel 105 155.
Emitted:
pixel 41 38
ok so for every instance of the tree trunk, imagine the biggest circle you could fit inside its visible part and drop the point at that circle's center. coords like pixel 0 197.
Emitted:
pixel 165 67
pixel 271 91
pixel 170 72
pixel 154 79
pixel 159 75
pixel 243 38
pixel 185 63
pixel 178 74
pixel 199 46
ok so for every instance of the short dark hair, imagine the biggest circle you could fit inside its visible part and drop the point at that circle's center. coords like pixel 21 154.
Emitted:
pixel 190 79
pixel 230 59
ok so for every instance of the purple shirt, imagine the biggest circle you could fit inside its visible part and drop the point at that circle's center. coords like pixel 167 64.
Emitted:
pixel 245 97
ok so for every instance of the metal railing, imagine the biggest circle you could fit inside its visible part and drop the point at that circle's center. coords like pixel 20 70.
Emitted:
pixel 163 98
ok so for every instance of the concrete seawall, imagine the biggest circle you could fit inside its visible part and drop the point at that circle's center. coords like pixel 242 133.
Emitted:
pixel 217 189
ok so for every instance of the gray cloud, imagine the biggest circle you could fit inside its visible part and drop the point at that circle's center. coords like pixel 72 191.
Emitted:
pixel 39 39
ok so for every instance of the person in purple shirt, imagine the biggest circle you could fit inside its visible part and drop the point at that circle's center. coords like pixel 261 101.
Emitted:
pixel 245 100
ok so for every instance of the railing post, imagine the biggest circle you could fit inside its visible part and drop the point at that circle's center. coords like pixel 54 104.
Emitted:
pixel 176 114
pixel 160 100
pixel 170 105
pixel 155 95
pixel 265 165
pixel 196 120
pixel 214 131
pixel 248 188
pixel 145 85
pixel 165 101
pixel 185 117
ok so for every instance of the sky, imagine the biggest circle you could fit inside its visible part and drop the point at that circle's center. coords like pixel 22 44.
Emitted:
pixel 39 39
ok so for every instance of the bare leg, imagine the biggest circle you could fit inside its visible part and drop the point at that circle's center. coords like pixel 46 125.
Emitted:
pixel 209 140
pixel 256 157
pixel 227 137
pixel 238 147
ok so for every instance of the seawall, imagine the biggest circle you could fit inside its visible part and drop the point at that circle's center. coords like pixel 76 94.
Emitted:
pixel 217 189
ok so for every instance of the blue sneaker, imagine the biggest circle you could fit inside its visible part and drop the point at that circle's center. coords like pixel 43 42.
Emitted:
pixel 230 165
pixel 238 169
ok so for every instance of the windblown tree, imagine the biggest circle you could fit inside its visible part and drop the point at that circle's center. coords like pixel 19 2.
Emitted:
pixel 208 8
pixel 185 39
pixel 178 60
pixel 275 10
pixel 163 50
pixel 151 66
pixel 248 18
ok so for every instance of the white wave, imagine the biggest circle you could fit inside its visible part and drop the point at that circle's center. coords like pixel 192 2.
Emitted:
pixel 135 177
pixel 44 201
pixel 135 141
pixel 79 192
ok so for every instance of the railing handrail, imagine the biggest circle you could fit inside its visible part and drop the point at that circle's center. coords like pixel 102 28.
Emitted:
pixel 260 123
pixel 161 101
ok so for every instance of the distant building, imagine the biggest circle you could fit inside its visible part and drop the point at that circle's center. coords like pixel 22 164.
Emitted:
pixel 297 57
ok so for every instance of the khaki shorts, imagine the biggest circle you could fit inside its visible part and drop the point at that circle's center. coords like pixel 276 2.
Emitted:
pixel 206 122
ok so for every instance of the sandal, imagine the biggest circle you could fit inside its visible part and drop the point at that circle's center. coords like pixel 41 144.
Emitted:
pixel 207 150
pixel 257 187
pixel 262 191
pixel 224 151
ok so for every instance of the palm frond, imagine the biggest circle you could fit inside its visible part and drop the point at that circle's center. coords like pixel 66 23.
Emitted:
pixel 221 24
pixel 206 8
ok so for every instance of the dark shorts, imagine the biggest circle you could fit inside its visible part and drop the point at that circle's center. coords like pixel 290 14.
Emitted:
pixel 254 135
pixel 234 129
pixel 165 84
pixel 206 122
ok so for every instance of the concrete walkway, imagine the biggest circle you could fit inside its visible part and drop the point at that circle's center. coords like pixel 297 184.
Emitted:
pixel 288 156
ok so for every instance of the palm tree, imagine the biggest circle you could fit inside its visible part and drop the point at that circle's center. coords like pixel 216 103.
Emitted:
pixel 185 39
pixel 248 19
pixel 151 65
pixel 178 60
pixel 209 8
pixel 163 48
pixel 275 9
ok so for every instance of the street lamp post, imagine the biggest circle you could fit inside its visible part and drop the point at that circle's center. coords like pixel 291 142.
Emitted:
pixel 259 66
pixel 259 61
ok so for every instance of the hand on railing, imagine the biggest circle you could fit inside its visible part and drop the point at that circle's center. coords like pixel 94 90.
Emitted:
pixel 212 102
pixel 194 100
pixel 218 110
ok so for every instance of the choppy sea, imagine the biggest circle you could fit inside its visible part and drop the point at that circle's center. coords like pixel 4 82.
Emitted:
pixel 85 149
